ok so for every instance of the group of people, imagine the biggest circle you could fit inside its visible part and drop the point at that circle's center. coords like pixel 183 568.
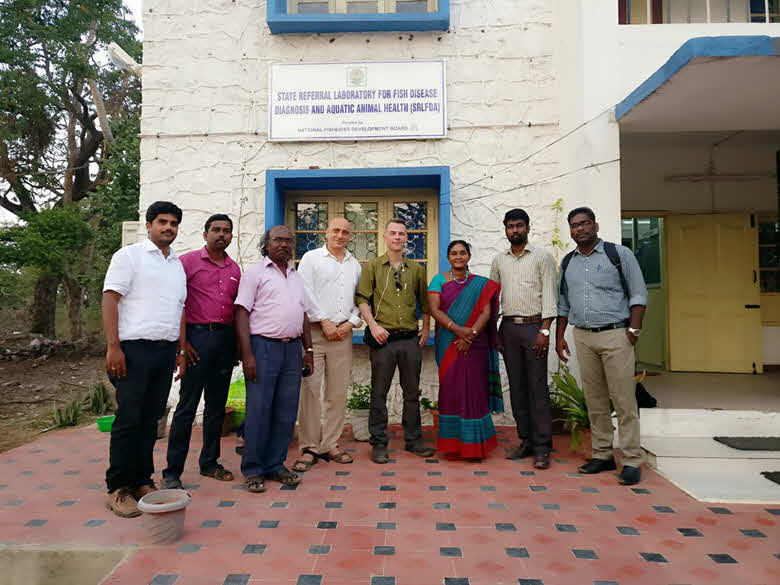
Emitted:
pixel 197 316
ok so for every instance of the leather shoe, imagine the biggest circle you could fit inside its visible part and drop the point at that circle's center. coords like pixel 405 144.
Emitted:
pixel 172 483
pixel 379 454
pixel 523 450
pixel 597 466
pixel 420 450
pixel 542 461
pixel 630 475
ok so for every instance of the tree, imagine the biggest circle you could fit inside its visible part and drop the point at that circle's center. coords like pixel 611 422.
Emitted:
pixel 53 152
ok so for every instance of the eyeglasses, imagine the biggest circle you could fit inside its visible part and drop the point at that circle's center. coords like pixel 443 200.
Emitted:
pixel 397 278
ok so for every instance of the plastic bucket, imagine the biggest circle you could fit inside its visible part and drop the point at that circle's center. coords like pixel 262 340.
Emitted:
pixel 164 512
pixel 104 422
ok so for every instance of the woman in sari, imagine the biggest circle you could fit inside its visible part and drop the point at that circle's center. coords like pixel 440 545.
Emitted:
pixel 465 307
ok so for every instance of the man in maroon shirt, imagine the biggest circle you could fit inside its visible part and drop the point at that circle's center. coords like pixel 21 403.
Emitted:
pixel 212 285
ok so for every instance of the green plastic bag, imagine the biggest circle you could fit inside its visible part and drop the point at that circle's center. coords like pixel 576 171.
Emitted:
pixel 237 400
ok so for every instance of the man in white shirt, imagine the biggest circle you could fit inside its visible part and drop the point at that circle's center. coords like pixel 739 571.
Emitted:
pixel 331 275
pixel 143 301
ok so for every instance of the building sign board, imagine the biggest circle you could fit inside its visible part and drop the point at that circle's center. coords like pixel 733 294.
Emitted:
pixel 377 100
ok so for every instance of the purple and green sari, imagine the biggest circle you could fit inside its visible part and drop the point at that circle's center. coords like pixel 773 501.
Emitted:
pixel 469 384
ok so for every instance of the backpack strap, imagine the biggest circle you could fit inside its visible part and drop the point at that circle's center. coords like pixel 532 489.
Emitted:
pixel 610 250
pixel 564 290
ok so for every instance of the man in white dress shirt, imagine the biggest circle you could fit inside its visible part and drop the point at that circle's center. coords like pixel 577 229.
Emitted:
pixel 331 275
pixel 143 301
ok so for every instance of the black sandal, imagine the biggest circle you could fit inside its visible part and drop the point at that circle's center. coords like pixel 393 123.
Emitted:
pixel 301 465
pixel 254 484
pixel 284 476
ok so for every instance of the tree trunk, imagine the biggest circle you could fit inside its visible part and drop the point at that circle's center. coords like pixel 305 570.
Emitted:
pixel 75 299
pixel 44 305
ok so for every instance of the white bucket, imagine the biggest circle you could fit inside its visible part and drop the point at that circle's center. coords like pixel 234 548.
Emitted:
pixel 359 420
pixel 164 512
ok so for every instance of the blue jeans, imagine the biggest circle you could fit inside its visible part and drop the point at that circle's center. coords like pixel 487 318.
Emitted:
pixel 271 405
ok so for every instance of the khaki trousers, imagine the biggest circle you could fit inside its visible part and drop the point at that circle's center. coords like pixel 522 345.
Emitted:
pixel 322 411
pixel 607 364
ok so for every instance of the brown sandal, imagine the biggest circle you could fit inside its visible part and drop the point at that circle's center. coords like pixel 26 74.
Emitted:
pixel 218 473
pixel 254 484
pixel 340 457
pixel 301 465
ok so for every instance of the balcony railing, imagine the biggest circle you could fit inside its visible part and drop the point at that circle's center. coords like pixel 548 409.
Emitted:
pixel 697 11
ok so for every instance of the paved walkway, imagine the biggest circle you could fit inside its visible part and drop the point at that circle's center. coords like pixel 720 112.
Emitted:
pixel 411 522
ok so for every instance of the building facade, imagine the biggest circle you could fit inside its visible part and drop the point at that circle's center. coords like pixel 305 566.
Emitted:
pixel 530 97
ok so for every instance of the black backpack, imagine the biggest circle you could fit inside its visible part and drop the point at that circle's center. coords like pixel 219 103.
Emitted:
pixel 610 250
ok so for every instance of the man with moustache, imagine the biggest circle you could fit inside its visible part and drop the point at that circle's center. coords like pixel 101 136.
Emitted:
pixel 330 274
pixel 527 276
pixel 274 336
pixel 603 294
pixel 143 300
pixel 212 285
pixel 390 289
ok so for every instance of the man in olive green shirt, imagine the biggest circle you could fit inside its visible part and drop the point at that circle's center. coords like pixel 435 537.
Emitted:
pixel 387 295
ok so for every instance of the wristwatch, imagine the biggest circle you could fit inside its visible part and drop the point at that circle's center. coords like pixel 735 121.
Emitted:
pixel 310 349
pixel 634 332
pixel 545 332
pixel 181 352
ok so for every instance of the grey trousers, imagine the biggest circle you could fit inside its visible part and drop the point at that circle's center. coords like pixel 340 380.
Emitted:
pixel 405 354
pixel 528 389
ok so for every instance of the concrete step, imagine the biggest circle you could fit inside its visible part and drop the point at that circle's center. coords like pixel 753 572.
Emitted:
pixel 701 422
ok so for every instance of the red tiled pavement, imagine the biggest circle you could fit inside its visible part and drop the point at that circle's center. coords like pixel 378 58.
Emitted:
pixel 411 522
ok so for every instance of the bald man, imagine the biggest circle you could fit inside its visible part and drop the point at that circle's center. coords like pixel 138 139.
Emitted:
pixel 330 275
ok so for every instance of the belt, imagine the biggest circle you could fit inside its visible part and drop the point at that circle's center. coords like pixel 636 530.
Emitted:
pixel 619 325
pixel 522 320
pixel 210 326
pixel 280 339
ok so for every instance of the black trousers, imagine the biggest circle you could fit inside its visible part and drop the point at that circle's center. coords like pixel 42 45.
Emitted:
pixel 141 397
pixel 528 389
pixel 406 355
pixel 216 350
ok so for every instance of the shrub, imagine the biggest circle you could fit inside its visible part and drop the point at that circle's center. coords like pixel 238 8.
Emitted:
pixel 359 396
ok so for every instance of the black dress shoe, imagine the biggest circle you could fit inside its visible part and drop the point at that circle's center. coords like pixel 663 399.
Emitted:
pixel 630 475
pixel 420 450
pixel 525 449
pixel 598 465
pixel 542 461
pixel 379 454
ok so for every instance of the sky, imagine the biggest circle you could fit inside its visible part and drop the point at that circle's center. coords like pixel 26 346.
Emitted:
pixel 136 6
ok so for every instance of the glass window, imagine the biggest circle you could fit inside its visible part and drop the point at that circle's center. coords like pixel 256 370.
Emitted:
pixel 313 7
pixel 643 236
pixel 768 259
pixel 411 6
pixel 308 217
pixel 363 7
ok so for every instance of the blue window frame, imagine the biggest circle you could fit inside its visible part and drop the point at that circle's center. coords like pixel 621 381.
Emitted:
pixel 277 182
pixel 279 21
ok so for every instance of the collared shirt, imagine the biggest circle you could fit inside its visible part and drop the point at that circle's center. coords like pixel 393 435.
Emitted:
pixel 153 289
pixel 211 288
pixel 394 306
pixel 528 282
pixel 330 285
pixel 276 304
pixel 595 295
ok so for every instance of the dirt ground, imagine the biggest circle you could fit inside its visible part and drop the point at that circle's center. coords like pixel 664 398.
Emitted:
pixel 29 389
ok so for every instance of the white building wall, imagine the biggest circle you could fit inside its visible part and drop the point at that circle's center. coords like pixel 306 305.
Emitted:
pixel 204 143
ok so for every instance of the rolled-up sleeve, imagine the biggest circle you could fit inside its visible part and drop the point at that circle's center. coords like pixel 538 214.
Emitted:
pixel 247 289
pixel 119 276
pixel 637 290
pixel 563 303
pixel 549 286
pixel 365 285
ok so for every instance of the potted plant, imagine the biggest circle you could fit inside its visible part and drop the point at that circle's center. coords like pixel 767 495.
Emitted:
pixel 570 399
pixel 357 405
pixel 433 408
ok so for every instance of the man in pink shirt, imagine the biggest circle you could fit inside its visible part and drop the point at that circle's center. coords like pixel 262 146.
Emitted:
pixel 212 285
pixel 273 330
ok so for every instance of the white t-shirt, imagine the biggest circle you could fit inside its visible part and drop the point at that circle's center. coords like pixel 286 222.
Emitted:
pixel 153 290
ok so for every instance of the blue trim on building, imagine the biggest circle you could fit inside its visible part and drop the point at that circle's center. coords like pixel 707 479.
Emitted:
pixel 746 46
pixel 277 182
pixel 280 22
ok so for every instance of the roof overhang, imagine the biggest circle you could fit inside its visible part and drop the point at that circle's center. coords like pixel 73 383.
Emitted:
pixel 710 84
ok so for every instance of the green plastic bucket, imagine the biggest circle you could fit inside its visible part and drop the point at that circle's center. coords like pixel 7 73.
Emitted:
pixel 104 422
